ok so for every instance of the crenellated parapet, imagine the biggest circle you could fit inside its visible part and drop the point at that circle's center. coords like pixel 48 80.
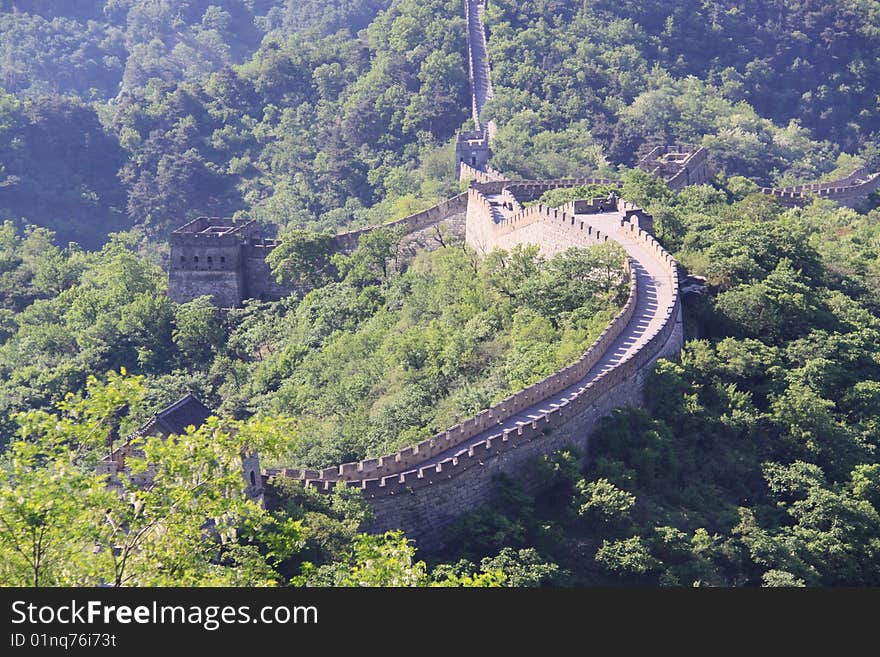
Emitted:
pixel 679 166
pixel 423 487
pixel 852 191
pixel 410 458
pixel 409 225
pixel 226 259
pixel 471 174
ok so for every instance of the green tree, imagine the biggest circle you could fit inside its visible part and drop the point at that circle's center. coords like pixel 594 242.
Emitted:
pixel 387 560
pixel 628 557
pixel 60 523
pixel 601 502
pixel 377 252
pixel 302 258
pixel 198 333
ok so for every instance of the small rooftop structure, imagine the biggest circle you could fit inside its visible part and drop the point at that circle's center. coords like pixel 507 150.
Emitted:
pixel 472 148
pixel 186 411
pixel 171 420
pixel 219 227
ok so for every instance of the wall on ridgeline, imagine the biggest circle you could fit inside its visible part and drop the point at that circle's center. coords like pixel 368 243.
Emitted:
pixel 679 166
pixel 410 457
pixel 232 267
pixel 530 190
pixel 851 191
pixel 423 501
pixel 421 230
pixel 471 174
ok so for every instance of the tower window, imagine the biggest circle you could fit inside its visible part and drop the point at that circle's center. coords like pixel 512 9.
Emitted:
pixel 210 261
pixel 222 259
pixel 196 259
pixel 253 479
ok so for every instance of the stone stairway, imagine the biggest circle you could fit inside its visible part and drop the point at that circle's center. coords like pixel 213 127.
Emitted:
pixel 481 82
pixel 656 293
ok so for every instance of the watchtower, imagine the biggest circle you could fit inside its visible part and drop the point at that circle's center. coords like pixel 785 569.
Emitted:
pixel 679 166
pixel 472 148
pixel 206 259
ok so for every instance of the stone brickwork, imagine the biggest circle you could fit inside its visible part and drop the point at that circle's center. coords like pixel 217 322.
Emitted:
pixel 226 260
pixel 478 59
pixel 852 191
pixel 470 174
pixel 679 166
pixel 472 155
pixel 423 488
pixel 207 259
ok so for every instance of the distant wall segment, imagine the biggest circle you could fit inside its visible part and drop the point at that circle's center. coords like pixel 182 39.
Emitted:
pixel 226 260
pixel 852 191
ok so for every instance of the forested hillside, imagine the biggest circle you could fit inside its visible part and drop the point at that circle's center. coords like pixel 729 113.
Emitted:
pixel 775 90
pixel 755 461
pixel 308 126
pixel 309 113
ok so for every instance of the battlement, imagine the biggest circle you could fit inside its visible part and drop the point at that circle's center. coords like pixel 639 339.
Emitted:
pixel 469 173
pixel 472 155
pixel 215 228
pixel 381 468
pixel 852 190
pixel 226 259
pixel 423 487
pixel 529 190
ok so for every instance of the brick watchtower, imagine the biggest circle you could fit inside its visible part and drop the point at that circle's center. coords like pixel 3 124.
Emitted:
pixel 207 258
pixel 472 148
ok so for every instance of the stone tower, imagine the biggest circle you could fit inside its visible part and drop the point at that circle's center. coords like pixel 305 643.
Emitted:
pixel 472 148
pixel 207 258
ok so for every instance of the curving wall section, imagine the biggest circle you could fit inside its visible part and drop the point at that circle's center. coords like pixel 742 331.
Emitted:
pixel 852 191
pixel 423 488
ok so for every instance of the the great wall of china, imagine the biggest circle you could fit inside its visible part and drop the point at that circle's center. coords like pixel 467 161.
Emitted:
pixel 423 488
pixel 851 191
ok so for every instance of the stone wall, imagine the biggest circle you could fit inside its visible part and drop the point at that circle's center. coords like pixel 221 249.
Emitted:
pixel 224 287
pixel 423 501
pixel 206 265
pixel 479 71
pixel 851 191
pixel 553 229
pixel 259 282
pixel 469 173
pixel 232 267
pixel 421 230
pixel 529 190
pixel 409 457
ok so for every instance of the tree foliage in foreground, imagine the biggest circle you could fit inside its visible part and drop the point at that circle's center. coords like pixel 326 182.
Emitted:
pixel 191 524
